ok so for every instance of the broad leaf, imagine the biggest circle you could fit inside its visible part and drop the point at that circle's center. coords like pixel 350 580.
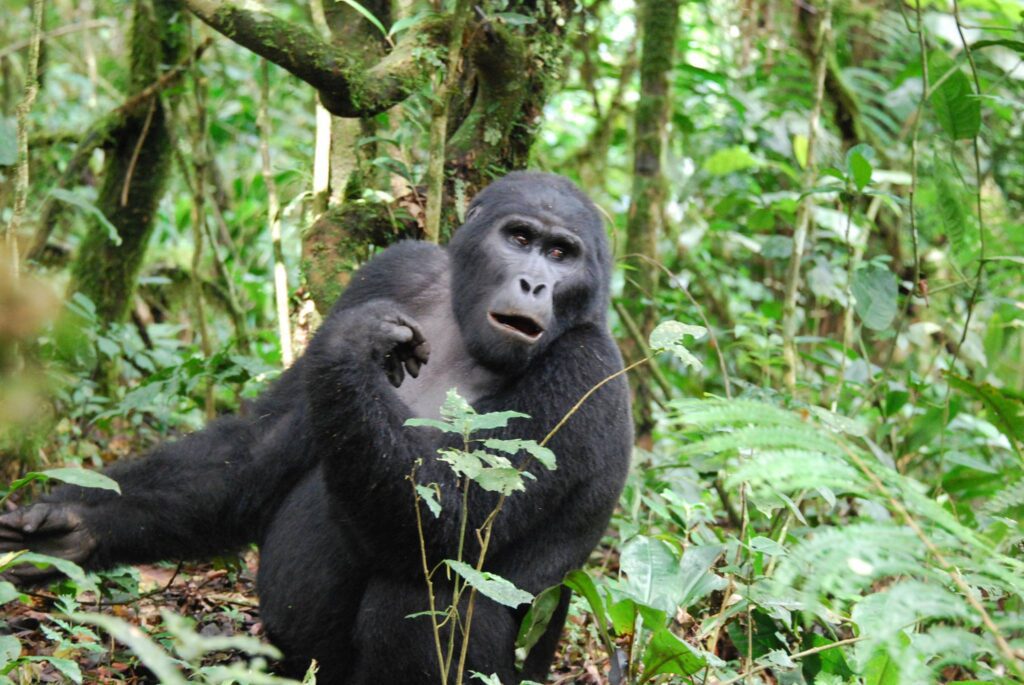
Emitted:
pixel 669 335
pixel 875 290
pixel 953 100
pixel 666 653
pixel 538 617
pixel 729 160
pixel 1006 412
pixel 858 164
pixel 652 573
pixel 490 585
pixel 542 454
pixel 10 649
pixel 429 495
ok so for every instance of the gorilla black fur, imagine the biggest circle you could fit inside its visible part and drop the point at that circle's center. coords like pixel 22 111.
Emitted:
pixel 513 314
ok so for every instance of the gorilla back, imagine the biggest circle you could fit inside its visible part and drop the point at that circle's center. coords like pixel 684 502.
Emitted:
pixel 513 315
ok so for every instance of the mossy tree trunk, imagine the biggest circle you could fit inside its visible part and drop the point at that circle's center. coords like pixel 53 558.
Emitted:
pixel 659 28
pixel 137 163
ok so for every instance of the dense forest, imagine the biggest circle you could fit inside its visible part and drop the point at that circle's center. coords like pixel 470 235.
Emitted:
pixel 815 211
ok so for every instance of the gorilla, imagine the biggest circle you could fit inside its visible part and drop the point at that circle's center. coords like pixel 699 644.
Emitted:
pixel 513 314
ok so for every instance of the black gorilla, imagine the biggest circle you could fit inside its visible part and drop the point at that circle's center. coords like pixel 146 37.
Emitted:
pixel 514 314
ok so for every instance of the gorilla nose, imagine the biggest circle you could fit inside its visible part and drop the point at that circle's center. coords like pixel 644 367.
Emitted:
pixel 529 288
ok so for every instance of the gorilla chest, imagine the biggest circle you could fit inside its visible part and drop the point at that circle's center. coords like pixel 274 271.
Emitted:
pixel 450 364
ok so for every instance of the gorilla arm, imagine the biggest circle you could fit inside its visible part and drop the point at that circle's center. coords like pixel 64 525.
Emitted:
pixel 368 454
pixel 202 495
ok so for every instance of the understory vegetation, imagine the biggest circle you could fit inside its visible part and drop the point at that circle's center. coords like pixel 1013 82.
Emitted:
pixel 823 199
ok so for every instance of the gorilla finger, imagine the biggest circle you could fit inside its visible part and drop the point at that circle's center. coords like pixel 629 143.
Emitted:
pixel 398 332
pixel 412 365
pixel 422 352
pixel 412 325
pixel 41 518
pixel 393 370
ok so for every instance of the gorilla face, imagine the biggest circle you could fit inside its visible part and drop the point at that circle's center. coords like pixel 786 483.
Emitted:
pixel 530 263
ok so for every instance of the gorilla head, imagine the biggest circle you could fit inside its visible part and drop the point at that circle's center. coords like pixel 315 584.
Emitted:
pixel 530 262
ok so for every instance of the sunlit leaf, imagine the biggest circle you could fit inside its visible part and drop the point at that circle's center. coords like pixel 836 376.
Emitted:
pixel 669 335
pixel 490 585
pixel 728 160
pixel 542 454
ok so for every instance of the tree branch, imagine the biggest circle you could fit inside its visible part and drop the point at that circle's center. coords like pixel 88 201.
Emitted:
pixel 348 87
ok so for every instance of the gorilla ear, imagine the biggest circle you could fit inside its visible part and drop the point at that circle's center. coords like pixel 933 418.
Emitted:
pixel 473 211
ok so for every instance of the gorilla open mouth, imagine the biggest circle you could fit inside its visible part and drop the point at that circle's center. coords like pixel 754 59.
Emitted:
pixel 516 323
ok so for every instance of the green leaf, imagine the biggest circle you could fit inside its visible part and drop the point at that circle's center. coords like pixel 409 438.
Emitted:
pixel 10 649
pixel 8 593
pixel 729 160
pixel 858 163
pixel 67 667
pixel 496 419
pixel 432 423
pixel 828 661
pixel 875 290
pixel 652 573
pixel 89 208
pixel 538 617
pixel 158 661
pixel 1006 412
pixel 83 478
pixel 492 586
pixel 1015 45
pixel 956 220
pixel 464 463
pixel 542 454
pixel 800 147
pixel 429 495
pixel 367 14
pixel 668 336
pixel 406 23
pixel 8 142
pixel 666 653
pixel 953 100
pixel 68 568
pixel 501 479
pixel 882 670
pixel 579 581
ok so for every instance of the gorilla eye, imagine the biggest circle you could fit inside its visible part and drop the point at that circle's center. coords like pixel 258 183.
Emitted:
pixel 557 253
pixel 520 238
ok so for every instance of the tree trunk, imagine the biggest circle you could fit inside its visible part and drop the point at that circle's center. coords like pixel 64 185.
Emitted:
pixel 659 28
pixel 136 168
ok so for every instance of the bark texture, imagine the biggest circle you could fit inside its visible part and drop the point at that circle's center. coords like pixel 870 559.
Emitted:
pixel 659 30
pixel 136 168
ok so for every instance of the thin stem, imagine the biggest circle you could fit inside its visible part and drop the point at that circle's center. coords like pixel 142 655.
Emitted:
pixel 284 332
pixel 430 583
pixel 803 221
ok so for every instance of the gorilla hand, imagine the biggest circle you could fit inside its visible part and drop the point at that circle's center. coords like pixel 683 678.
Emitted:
pixel 381 331
pixel 56 529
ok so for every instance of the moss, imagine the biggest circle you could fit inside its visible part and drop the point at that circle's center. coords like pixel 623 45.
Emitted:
pixel 107 273
pixel 337 242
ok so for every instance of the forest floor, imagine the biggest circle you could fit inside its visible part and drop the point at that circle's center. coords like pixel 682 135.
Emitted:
pixel 220 597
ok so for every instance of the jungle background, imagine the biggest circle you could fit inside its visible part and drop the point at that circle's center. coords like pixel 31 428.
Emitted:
pixel 828 483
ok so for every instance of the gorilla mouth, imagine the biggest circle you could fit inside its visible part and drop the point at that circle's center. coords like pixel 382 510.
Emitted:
pixel 521 325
